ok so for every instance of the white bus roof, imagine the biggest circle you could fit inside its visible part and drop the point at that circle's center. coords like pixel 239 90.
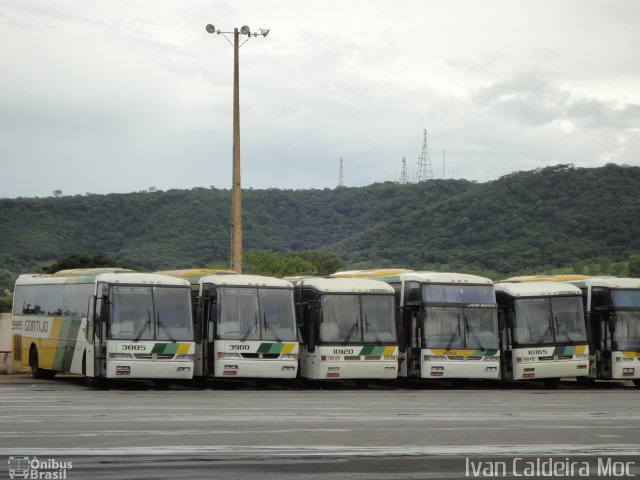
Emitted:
pixel 610 282
pixel 438 277
pixel 374 272
pixel 93 276
pixel 347 285
pixel 193 275
pixel 240 280
pixel 537 289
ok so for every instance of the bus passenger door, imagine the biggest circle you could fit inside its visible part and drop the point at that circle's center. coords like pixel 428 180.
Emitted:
pixel 89 354
pixel 208 330
pixel 99 336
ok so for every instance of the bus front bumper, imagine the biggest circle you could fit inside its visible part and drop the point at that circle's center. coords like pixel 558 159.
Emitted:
pixel 551 369
pixel 141 369
pixel 477 369
pixel 258 368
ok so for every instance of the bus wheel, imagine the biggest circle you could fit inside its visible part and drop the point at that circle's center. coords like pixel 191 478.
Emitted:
pixel 586 381
pixel 96 382
pixel 636 383
pixel 362 384
pixel 551 383
pixel 36 371
pixel 161 384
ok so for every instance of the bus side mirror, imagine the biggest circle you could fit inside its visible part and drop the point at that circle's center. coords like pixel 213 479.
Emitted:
pixel 611 323
pixel 502 321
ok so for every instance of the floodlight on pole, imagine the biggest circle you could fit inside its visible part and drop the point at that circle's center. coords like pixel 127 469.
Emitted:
pixel 236 191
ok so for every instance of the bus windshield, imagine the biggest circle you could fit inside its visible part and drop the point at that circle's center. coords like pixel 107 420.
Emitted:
pixel 278 317
pixel 150 313
pixel 627 333
pixel 456 327
pixel 357 319
pixel 547 321
pixel 436 293
pixel 625 298
pixel 256 314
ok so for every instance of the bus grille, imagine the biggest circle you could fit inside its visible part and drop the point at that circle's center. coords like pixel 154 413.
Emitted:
pixel 261 355
pixel 150 356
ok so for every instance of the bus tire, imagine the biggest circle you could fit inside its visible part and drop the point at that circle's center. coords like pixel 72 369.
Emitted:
pixel 161 384
pixel 551 383
pixel 636 382
pixel 586 381
pixel 96 382
pixel 36 371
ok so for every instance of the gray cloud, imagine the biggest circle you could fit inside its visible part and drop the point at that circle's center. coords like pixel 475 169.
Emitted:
pixel 141 92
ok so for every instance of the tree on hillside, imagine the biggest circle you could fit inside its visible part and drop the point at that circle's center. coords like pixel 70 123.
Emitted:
pixel 634 265
pixel 7 281
pixel 267 262
pixel 83 260
pixel 326 263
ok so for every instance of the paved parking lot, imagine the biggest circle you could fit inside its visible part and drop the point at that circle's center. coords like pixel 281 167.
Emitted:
pixel 238 431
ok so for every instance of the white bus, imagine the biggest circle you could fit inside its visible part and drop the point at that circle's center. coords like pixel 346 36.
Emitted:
pixel 103 323
pixel 247 328
pixel 543 334
pixel 612 307
pixel 447 325
pixel 347 329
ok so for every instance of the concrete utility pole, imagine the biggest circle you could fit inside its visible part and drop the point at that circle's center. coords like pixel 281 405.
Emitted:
pixel 236 190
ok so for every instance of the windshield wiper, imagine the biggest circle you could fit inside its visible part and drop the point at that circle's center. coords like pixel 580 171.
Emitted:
pixel 544 335
pixel 470 329
pixel 454 335
pixel 353 329
pixel 164 329
pixel 268 325
pixel 373 330
pixel 146 324
pixel 561 329
pixel 245 335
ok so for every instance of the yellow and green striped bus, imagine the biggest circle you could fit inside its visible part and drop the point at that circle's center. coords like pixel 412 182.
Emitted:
pixel 245 325
pixel 103 323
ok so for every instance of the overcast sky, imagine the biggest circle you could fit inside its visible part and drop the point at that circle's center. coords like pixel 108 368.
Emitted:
pixel 119 96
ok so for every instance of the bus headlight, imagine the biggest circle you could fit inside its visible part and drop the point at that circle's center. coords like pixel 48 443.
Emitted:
pixel 491 359
pixel 120 356
pixel 580 357
pixel 289 356
pixel 434 358
pixel 228 355
pixel 184 358
pixel 389 357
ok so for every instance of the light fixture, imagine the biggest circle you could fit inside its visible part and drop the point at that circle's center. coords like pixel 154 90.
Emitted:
pixel 210 28
pixel 245 30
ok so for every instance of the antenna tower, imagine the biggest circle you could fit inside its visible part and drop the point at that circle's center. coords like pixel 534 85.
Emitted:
pixel 403 172
pixel 341 177
pixel 425 170
pixel 444 164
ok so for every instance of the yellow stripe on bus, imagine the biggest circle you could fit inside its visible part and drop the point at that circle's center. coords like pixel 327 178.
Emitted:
pixel 288 348
pixel 388 351
pixel 631 354
pixel 580 349
pixel 183 349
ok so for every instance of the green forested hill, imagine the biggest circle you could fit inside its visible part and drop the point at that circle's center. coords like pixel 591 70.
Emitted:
pixel 525 222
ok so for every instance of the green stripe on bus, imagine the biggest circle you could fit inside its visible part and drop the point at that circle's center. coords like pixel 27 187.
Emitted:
pixel 166 348
pixel 484 353
pixel 372 350
pixel 564 350
pixel 270 347
pixel 65 344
